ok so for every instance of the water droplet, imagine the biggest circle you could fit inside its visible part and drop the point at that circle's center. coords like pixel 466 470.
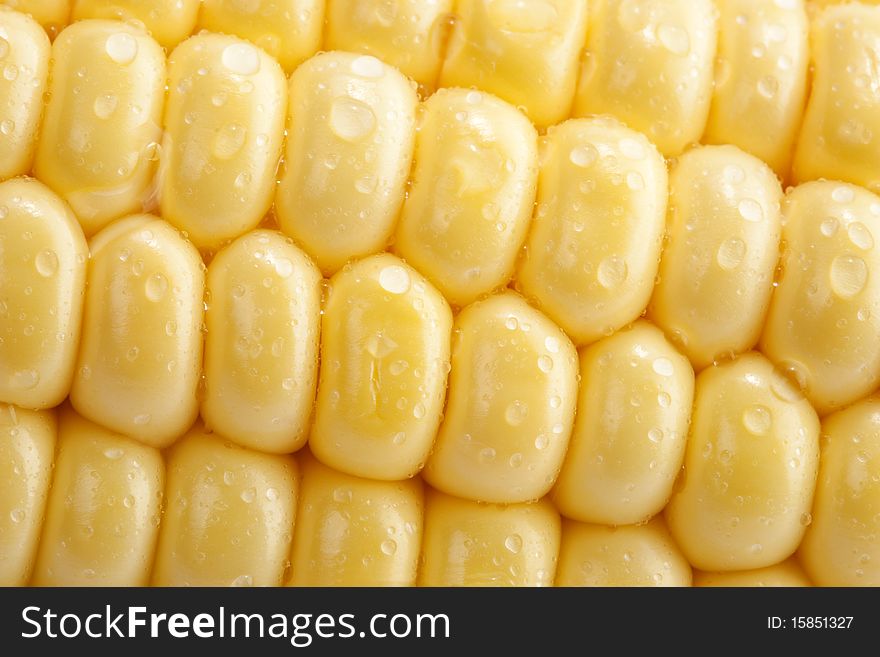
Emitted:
pixel 829 226
pixel 122 48
pixel 367 66
pixel 419 411
pixel 635 181
pixel 25 379
pixel 487 455
pixel 757 419
pixel 515 413
pixel 806 519
pixel 750 210
pixel 674 39
pixel 287 384
pixel 6 127
pixel 730 254
pixel 662 366
pixel 114 453
pixel 511 323
pixel 860 236
pixel 16 516
pixel 243 581
pixel 248 495
pixel 756 548
pixel 394 279
pixel 768 86
pixel 105 105
pixel 351 119
pixel 228 141
pixel 848 274
pixel 365 184
pixel 583 156
pixel 155 287
pixel 241 58
pixel 611 272
pixel 542 441
pixel 142 419
pixel 545 363
pixel 655 435
pixel 399 438
pixel 515 460
pixel 513 543
pixel 46 263
pixel 128 501
pixel 271 494
pixel 843 194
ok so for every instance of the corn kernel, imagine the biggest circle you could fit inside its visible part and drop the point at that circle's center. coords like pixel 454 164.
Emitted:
pixel 102 518
pixel 594 245
pixel 471 544
pixel 42 282
pixel 512 392
pixel 27 448
pixel 229 515
pixel 384 359
pixel 643 555
pixel 750 468
pixel 288 30
pixel 788 574
pixel 168 21
pixel 841 546
pixel 24 58
pixel 629 437
pixel 716 275
pixel 350 144
pixel 407 34
pixel 650 64
pixel 841 129
pixel 261 348
pixel 223 131
pixel 823 326
pixel 524 52
pixel 51 14
pixel 760 79
pixel 141 349
pixel 355 532
pixel 97 147
pixel 473 187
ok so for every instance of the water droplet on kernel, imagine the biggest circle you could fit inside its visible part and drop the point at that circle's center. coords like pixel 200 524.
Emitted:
pixel 155 287
pixel 367 66
pixel 860 236
pixel 394 279
pixel 848 275
pixel 513 543
pixel 662 366
pixel 730 254
pixel 122 48
pixel 757 419
pixel 750 210
pixel 241 58
pixel 46 263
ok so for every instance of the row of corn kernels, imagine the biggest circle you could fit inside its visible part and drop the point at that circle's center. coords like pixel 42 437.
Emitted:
pixel 233 516
pixel 676 70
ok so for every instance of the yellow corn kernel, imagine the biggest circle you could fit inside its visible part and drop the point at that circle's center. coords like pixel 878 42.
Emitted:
pixel 524 52
pixel 472 193
pixel 24 61
pixel 472 544
pixel 630 434
pixel 788 573
pixel 51 14
pixel 288 30
pixel 841 130
pixel 643 555
pixel 97 147
pixel 743 499
pixel 102 518
pixel 823 326
pixel 350 144
pixel 229 515
pixel 168 21
pixel 355 532
pixel 27 447
pixel 223 131
pixel 650 64
pixel 261 348
pixel 408 34
pixel 841 547
pixel 716 275
pixel 141 351
pixel 595 240
pixel 42 281
pixel 384 359
pixel 512 393
pixel 760 79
